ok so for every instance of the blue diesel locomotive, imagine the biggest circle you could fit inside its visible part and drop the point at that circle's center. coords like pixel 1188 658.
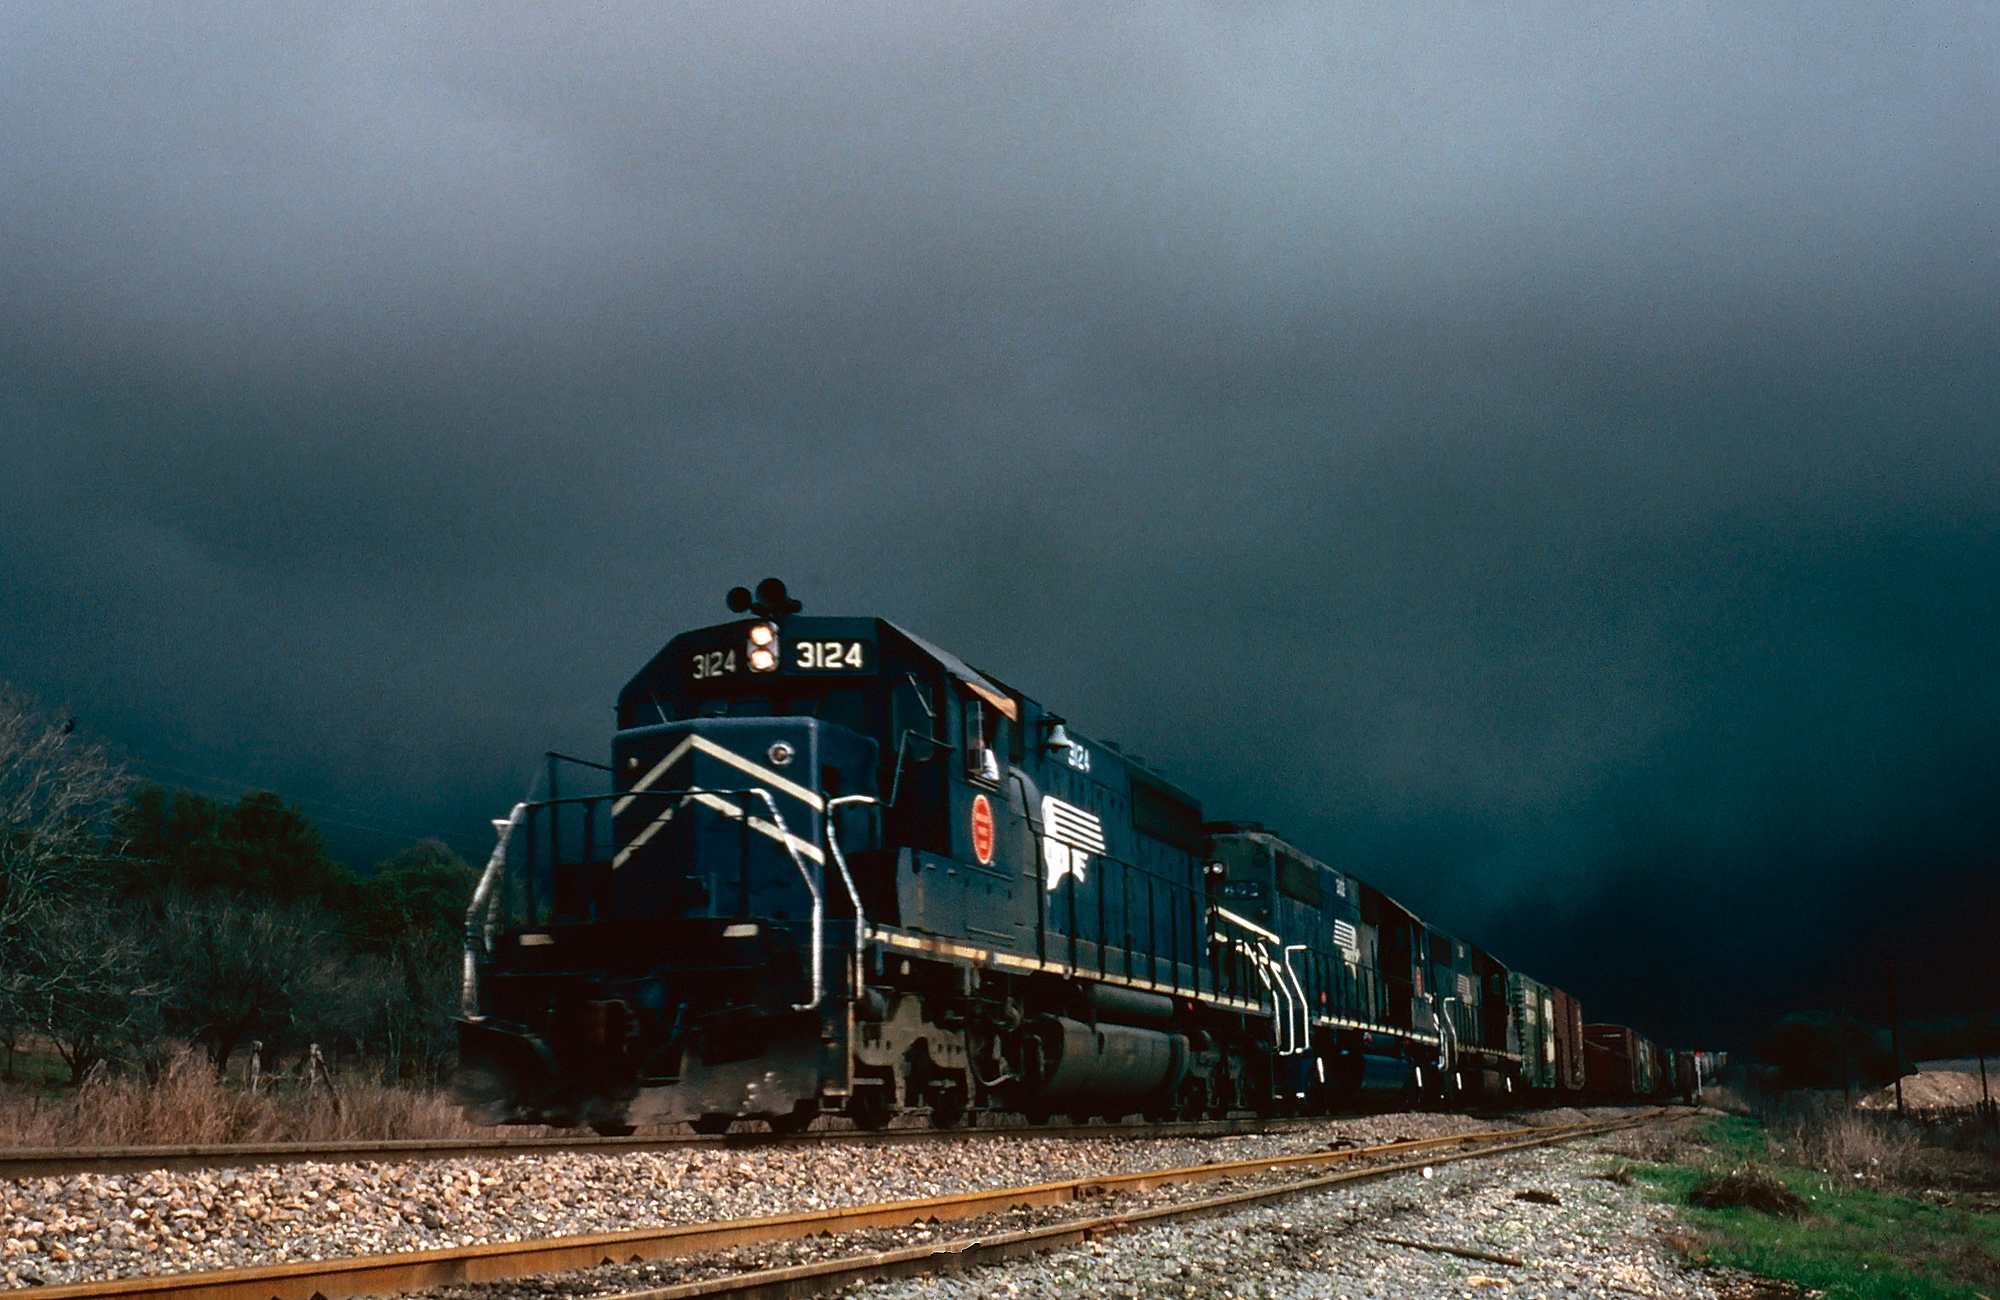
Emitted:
pixel 839 870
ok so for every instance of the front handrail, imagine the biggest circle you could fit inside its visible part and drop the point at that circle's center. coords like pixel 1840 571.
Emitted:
pixel 812 887
pixel 847 878
pixel 1303 1040
pixel 484 899
pixel 784 836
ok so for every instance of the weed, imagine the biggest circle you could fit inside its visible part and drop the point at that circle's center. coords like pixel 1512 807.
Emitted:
pixel 188 1104
pixel 1856 1240
pixel 1748 1187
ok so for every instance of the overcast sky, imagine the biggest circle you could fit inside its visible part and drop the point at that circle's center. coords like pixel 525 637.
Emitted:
pixel 1540 457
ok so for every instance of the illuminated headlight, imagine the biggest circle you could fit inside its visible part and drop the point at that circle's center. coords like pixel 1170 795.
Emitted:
pixel 763 648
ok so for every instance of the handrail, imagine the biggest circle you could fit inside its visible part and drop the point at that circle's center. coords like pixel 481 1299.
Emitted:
pixel 1284 1005
pixel 682 797
pixel 847 878
pixel 1281 995
pixel 1262 965
pixel 1304 1044
pixel 483 900
pixel 812 887
pixel 571 758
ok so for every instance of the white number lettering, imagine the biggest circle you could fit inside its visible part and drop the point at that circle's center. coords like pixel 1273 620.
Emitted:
pixel 830 656
pixel 1079 758
pixel 714 663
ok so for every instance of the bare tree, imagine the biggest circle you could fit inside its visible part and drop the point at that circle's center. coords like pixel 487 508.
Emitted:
pixel 236 971
pixel 86 982
pixel 57 790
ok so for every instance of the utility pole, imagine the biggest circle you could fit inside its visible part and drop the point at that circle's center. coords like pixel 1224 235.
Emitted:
pixel 1985 1097
pixel 1895 1031
pixel 1984 1033
pixel 1846 1060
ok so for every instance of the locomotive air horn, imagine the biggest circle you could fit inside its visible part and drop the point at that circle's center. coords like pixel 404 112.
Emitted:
pixel 771 600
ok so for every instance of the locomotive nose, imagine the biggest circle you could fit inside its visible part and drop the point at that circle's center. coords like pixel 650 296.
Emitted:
pixel 722 815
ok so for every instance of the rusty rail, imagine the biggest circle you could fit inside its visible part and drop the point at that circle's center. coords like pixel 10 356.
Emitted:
pixel 802 1280
pixel 338 1279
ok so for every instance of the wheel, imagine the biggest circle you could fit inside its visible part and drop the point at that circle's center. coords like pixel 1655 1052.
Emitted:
pixel 614 1130
pixel 870 1108
pixel 947 1105
pixel 713 1123
pixel 1037 1117
pixel 797 1119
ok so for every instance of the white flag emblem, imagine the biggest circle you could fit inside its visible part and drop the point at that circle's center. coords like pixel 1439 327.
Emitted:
pixel 1069 836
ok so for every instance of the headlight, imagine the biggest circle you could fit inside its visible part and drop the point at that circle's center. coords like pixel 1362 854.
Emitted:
pixel 763 647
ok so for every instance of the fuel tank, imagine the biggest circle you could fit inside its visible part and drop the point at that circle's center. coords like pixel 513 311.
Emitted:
pixel 1110 1070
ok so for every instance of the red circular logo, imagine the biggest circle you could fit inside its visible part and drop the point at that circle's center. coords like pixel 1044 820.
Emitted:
pixel 982 828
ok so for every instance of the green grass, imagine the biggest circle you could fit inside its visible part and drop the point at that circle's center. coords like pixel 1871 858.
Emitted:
pixel 36 1070
pixel 1858 1243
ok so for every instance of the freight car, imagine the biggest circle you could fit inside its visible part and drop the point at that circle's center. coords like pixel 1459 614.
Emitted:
pixel 839 870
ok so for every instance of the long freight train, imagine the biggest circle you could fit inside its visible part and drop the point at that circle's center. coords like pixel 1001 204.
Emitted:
pixel 840 870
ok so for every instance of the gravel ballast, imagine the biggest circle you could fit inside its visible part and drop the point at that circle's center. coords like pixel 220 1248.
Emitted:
pixel 92 1227
pixel 1597 1239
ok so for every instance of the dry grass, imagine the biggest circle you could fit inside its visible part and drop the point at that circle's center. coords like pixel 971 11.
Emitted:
pixel 1923 1154
pixel 1677 1140
pixel 1748 1188
pixel 1816 1133
pixel 1728 1099
pixel 188 1104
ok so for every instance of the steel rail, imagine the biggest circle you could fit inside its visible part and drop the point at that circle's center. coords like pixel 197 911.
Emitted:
pixel 822 1276
pixel 61 1162
pixel 337 1279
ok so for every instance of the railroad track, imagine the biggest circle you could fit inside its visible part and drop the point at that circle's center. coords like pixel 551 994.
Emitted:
pixel 61 1162
pixel 338 1279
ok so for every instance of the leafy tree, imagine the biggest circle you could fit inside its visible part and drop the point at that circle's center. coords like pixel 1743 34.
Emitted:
pixel 169 916
pixel 410 918
pixel 259 847
pixel 418 897
pixel 1817 1049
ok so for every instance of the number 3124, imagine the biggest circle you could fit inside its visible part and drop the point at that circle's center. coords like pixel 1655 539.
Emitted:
pixel 828 654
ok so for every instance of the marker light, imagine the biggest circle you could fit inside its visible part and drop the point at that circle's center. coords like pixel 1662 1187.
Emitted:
pixel 762 634
pixel 762 661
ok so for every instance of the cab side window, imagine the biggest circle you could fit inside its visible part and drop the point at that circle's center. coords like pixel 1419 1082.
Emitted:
pixel 985 735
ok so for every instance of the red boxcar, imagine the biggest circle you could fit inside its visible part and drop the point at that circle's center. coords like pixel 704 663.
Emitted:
pixel 1569 1043
pixel 1617 1063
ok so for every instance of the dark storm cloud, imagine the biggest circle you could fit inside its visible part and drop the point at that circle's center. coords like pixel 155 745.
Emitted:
pixel 1543 460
